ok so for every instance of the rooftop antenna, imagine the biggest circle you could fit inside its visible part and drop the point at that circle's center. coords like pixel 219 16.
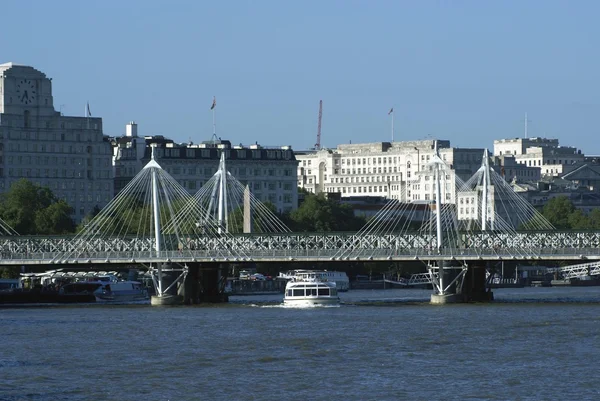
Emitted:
pixel 318 144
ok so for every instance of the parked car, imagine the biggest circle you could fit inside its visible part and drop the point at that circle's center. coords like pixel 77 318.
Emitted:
pixel 244 275
pixel 257 277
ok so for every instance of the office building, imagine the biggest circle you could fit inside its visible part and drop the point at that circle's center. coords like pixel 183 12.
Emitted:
pixel 67 154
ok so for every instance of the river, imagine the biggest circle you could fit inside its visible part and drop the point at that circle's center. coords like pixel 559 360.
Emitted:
pixel 530 344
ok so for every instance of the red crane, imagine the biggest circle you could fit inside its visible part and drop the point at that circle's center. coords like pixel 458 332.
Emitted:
pixel 318 144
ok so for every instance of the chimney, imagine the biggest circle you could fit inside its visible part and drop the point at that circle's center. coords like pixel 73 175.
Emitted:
pixel 131 129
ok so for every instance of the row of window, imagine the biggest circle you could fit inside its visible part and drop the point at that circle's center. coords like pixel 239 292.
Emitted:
pixel 56 136
pixel 538 162
pixel 53 161
pixel 257 154
pixel 431 196
pixel 57 148
pixel 426 187
pixel 57 173
pixel 340 180
pixel 255 186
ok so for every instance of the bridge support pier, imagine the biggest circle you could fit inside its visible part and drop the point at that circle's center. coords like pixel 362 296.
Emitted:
pixel 442 299
pixel 475 285
pixel 205 283
pixel 168 280
pixel 464 284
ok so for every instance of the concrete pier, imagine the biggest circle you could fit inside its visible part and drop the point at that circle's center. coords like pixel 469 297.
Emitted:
pixel 473 287
pixel 438 299
pixel 166 299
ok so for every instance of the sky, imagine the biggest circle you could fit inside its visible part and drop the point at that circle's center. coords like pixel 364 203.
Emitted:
pixel 465 71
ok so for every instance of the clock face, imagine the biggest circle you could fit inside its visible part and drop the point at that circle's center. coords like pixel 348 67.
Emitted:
pixel 26 92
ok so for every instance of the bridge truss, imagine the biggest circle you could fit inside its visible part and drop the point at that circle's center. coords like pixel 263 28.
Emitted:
pixel 488 245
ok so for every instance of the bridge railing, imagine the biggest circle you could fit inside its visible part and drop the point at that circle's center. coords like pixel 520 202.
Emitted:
pixel 230 255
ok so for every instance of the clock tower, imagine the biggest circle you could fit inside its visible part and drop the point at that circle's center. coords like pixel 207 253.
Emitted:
pixel 67 154
pixel 25 89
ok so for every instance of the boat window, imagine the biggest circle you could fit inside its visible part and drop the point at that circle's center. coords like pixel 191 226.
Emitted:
pixel 311 292
pixel 298 292
pixel 289 293
pixel 323 291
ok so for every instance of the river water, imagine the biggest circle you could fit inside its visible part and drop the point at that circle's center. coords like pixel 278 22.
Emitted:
pixel 530 344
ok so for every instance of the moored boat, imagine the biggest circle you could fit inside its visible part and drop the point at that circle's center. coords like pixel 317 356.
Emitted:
pixel 121 291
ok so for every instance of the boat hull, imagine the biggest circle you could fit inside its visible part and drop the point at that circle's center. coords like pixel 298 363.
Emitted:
pixel 108 297
pixel 43 297
pixel 308 301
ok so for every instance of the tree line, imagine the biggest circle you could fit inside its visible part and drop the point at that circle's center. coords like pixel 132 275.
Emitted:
pixel 34 210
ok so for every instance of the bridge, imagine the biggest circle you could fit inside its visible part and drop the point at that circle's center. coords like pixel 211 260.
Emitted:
pixel 155 222
pixel 309 247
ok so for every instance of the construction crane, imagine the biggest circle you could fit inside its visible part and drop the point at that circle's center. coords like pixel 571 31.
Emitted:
pixel 318 144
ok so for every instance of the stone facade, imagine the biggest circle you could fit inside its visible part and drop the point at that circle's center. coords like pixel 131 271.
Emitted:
pixel 69 155
pixel 397 170
pixel 270 172
pixel 544 153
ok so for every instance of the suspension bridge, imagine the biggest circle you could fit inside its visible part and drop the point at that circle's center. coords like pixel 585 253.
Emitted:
pixel 155 222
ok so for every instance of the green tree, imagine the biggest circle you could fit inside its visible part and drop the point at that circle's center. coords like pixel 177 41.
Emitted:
pixel 320 214
pixel 55 219
pixel 558 210
pixel 31 209
pixel 578 220
pixel 594 217
pixel 264 218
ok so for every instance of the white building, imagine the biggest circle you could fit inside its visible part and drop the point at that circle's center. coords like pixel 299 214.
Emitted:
pixel 397 170
pixel 539 152
pixel 270 172
pixel 69 155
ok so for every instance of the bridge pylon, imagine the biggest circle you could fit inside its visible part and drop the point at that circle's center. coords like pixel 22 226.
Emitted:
pixel 166 277
pixel 447 277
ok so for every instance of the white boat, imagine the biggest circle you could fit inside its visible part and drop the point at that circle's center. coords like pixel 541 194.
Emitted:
pixel 121 291
pixel 311 292
pixel 339 278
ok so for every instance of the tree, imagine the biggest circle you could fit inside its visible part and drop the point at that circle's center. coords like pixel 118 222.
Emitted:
pixel 320 214
pixel 265 218
pixel 32 209
pixel 578 220
pixel 55 219
pixel 558 210
pixel 594 217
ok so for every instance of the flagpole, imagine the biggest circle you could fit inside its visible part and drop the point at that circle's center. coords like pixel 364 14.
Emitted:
pixel 214 124
pixel 392 125
pixel 87 114
pixel 213 109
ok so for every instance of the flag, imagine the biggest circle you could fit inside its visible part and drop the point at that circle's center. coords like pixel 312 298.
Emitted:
pixel 87 110
pixel 214 103
pixel 391 111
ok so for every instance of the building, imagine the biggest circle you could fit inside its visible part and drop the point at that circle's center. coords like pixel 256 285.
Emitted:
pixel 584 175
pixel 270 172
pixel 547 154
pixel 396 170
pixel 512 171
pixel 69 155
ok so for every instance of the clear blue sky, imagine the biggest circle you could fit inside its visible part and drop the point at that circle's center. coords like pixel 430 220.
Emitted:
pixel 466 71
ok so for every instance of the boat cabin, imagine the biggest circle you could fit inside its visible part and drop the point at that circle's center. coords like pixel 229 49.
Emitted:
pixel 310 289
